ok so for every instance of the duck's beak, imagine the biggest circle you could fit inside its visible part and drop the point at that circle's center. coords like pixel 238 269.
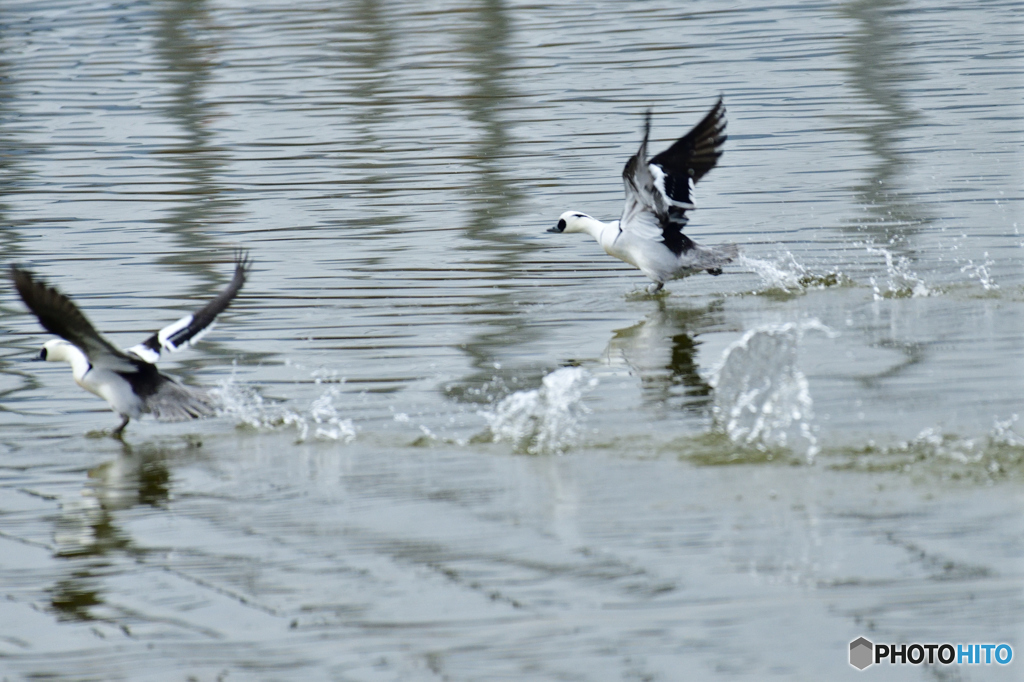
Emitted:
pixel 553 229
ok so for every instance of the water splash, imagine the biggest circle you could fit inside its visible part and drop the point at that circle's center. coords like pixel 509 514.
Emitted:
pixel 785 274
pixel 903 282
pixel 761 398
pixel 967 450
pixel 999 454
pixel 1003 433
pixel 321 422
pixel 546 419
pixel 980 272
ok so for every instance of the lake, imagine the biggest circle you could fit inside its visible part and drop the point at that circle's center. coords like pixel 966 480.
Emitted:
pixel 454 446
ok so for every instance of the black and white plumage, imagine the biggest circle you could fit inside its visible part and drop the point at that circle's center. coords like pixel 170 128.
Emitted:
pixel 128 380
pixel 659 192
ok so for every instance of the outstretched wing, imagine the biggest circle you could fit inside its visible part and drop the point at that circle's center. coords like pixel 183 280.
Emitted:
pixel 191 328
pixel 60 316
pixel 691 157
pixel 658 192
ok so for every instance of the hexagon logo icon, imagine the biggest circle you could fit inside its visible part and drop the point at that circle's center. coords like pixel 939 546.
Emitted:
pixel 861 653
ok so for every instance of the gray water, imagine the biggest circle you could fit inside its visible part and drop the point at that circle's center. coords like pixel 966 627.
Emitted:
pixel 453 446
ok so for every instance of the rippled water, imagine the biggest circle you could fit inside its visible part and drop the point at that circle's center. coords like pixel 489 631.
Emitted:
pixel 453 446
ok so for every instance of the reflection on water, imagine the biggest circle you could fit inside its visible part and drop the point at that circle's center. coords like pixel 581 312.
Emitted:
pixel 882 70
pixel 185 43
pixel 364 43
pixel 661 351
pixel 11 150
pixel 87 536
pixel 494 200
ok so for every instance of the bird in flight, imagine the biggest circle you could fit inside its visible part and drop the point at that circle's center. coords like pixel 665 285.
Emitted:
pixel 127 379
pixel 649 234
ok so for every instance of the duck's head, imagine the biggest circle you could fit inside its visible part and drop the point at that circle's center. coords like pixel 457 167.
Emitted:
pixel 571 221
pixel 58 350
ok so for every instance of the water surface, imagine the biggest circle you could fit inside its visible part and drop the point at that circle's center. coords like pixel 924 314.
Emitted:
pixel 457 447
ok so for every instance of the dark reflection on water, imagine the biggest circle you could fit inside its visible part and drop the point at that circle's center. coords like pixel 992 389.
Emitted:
pixel 186 46
pixel 366 40
pixel 882 70
pixel 142 478
pixel 75 597
pixel 661 351
pixel 11 151
pixel 87 534
pixel 17 378
pixel 187 51
pixel 364 46
pixel 494 197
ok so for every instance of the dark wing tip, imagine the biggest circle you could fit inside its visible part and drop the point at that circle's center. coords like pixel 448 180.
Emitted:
pixel 199 322
pixel 714 122
pixel 243 264
pixel 32 291
pixel 56 312
pixel 647 135
pixel 697 152
pixel 27 287
pixel 638 160
pixel 21 278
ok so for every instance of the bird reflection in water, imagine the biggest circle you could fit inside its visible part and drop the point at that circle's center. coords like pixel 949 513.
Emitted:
pixel 87 534
pixel 661 350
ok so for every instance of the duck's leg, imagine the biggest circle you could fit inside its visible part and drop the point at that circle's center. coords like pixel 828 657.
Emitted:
pixel 655 288
pixel 119 431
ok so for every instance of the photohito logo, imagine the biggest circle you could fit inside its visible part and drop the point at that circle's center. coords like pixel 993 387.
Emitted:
pixel 863 653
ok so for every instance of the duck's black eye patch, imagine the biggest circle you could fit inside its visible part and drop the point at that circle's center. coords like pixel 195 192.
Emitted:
pixel 42 354
pixel 561 225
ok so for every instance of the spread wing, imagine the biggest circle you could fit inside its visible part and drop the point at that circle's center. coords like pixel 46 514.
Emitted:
pixel 691 157
pixel 658 191
pixel 60 316
pixel 191 328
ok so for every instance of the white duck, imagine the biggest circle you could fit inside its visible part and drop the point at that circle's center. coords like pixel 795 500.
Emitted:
pixel 128 380
pixel 649 235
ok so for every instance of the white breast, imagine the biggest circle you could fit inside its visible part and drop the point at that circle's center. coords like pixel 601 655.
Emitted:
pixel 113 388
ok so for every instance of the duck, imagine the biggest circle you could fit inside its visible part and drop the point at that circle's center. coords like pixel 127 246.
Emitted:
pixel 659 191
pixel 127 379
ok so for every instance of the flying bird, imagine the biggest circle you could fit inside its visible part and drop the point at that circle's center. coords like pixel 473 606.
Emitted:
pixel 649 234
pixel 127 379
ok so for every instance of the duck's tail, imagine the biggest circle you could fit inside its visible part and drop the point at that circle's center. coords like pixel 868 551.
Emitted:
pixel 712 258
pixel 176 402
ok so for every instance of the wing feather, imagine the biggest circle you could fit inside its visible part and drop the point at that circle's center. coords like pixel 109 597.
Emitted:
pixel 658 192
pixel 189 329
pixel 691 157
pixel 60 316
